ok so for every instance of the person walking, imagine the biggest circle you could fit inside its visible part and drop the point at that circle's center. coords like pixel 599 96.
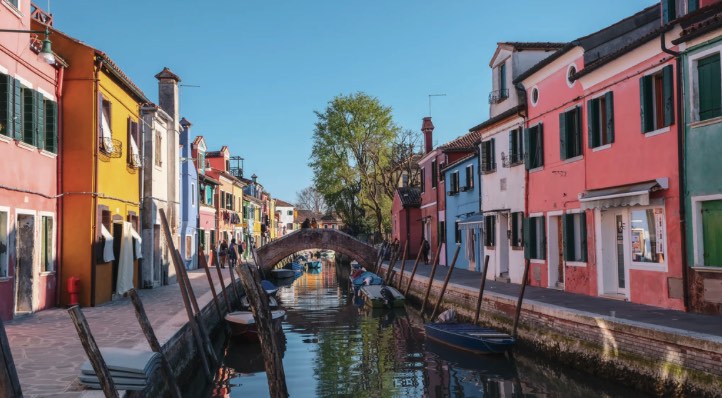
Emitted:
pixel 306 224
pixel 232 253
pixel 223 253
pixel 313 223
pixel 425 250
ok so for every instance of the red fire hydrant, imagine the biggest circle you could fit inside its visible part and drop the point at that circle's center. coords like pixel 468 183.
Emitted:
pixel 73 290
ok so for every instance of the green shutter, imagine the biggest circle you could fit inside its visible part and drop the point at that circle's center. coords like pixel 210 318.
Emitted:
pixel 692 5
pixel 512 147
pixel 543 241
pixel 668 94
pixel 526 232
pixel 39 120
pixel 567 234
pixel 29 116
pixel 492 153
pixel 484 166
pixel 17 109
pixel 669 12
pixel 609 102
pixel 583 234
pixel 51 126
pixel 646 101
pixel 563 135
pixel 540 145
pixel 6 105
pixel 527 144
pixel 592 117
pixel 708 77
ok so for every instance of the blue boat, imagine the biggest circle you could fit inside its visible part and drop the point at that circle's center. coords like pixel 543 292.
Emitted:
pixel 294 266
pixel 468 337
pixel 366 278
pixel 269 287
pixel 313 264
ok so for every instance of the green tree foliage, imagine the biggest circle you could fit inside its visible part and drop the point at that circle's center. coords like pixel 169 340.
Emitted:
pixel 352 152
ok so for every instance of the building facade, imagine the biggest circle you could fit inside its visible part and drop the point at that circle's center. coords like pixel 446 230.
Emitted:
pixel 190 208
pixel 286 217
pixel 463 230
pixel 405 213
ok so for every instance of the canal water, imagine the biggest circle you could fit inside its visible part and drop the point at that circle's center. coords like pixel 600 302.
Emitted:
pixel 333 346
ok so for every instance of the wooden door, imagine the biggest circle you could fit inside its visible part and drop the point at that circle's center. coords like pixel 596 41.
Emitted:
pixel 24 263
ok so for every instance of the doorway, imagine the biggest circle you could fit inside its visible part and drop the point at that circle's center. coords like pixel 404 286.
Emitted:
pixel 556 253
pixel 25 248
pixel 156 255
pixel 502 247
pixel 614 266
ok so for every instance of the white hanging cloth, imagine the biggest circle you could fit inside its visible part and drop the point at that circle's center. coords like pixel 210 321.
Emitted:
pixel 108 255
pixel 125 260
pixel 105 133
pixel 137 243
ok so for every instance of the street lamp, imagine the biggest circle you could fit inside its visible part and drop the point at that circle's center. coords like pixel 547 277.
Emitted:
pixel 46 52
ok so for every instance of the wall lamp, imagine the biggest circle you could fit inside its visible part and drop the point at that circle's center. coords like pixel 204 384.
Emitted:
pixel 46 52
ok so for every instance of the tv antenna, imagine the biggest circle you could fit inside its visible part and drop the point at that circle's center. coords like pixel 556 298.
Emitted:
pixel 434 95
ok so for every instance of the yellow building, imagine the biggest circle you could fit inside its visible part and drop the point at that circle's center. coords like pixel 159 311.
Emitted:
pixel 101 173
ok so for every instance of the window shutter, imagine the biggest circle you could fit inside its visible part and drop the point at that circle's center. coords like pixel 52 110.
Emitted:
pixel 668 94
pixel 568 236
pixel 526 230
pixel 583 234
pixel 512 147
pixel 542 240
pixel 29 116
pixel 577 130
pixel 470 169
pixel 483 156
pixel 6 105
pixel 563 135
pixel 17 109
pixel 692 5
pixel 592 117
pixel 609 103
pixel 39 120
pixel 514 229
pixel 492 153
pixel 668 10
pixel 708 77
pixel 527 144
pixel 645 102
pixel 540 145
pixel 51 126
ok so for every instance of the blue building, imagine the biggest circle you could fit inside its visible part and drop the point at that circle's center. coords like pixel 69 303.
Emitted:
pixel 188 200
pixel 463 217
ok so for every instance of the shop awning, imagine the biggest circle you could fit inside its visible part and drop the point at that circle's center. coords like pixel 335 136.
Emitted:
pixel 474 221
pixel 625 195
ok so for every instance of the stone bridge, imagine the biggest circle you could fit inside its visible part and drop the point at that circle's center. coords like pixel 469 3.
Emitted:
pixel 313 238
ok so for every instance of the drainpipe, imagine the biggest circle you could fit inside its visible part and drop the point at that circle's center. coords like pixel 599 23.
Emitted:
pixel 680 165
pixel 96 91
pixel 59 184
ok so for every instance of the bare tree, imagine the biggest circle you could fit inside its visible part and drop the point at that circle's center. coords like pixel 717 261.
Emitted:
pixel 310 199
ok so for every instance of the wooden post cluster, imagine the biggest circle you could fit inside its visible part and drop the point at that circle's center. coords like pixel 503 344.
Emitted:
pixel 204 264
pixel 9 381
pixel 521 297
pixel 481 289
pixel 390 272
pixel 392 263
pixel 431 278
pixel 446 281
pixel 229 307
pixel 403 265
pixel 93 352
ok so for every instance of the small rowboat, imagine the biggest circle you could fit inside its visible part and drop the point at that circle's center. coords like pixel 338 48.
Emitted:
pixel 313 265
pixel 468 337
pixel 282 273
pixel 269 287
pixel 294 266
pixel 243 325
pixel 246 305
pixel 377 296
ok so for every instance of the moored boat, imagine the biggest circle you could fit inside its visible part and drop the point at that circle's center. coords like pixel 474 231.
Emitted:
pixel 246 305
pixel 282 273
pixel 377 296
pixel 244 325
pixel 294 266
pixel 269 287
pixel 365 278
pixel 468 337
pixel 313 264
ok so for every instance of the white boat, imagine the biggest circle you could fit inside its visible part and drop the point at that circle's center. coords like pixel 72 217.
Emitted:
pixel 243 324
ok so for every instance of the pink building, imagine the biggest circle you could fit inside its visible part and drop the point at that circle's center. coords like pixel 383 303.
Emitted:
pixel 405 216
pixel 601 149
pixel 30 92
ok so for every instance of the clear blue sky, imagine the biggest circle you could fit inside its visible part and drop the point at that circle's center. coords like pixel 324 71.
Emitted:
pixel 264 66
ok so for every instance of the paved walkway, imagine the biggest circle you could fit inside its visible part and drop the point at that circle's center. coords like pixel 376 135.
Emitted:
pixel 47 351
pixel 703 326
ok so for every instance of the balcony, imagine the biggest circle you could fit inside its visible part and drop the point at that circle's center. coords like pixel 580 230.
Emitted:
pixel 497 96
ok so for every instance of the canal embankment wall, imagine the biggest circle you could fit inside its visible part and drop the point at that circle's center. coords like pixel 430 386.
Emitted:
pixel 618 345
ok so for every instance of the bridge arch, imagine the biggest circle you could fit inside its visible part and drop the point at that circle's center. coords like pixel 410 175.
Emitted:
pixel 313 238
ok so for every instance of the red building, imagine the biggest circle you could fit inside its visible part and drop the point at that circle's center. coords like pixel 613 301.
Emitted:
pixel 405 216
pixel 602 154
pixel 30 93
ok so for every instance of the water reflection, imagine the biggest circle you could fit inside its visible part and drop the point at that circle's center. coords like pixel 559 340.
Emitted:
pixel 336 348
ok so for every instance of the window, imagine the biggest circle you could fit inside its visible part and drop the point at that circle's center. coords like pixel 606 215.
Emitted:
pixel 488 159
pixel 201 161
pixel 516 147
pixel 434 173
pixel 656 98
pixel 534 238
pixel 106 134
pixel 193 194
pixel 209 195
pixel 404 180
pixel 692 5
pixel 469 177
pixel 647 231
pixel 7 103
pixel 223 199
pixel 33 118
pixel 201 239
pixel 503 92
pixel 441 232
pixel 133 140
pixel 46 244
pixel 517 220
pixel 158 153
pixel 289 213
pixel 709 87
pixel 711 231
pixel 669 11
pixel 423 180
pixel 51 125
pixel 15 3
pixel 600 120
pixel 574 231
pixel 454 183
pixel 571 71
pixel 534 142
pixel 534 96
pixel 570 133
pixel 189 251
pixel 4 244
pixel 457 232
pixel 441 167
pixel 489 230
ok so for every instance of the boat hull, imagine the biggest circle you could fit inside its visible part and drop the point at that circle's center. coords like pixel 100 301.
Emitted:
pixel 374 298
pixel 282 273
pixel 243 325
pixel 471 338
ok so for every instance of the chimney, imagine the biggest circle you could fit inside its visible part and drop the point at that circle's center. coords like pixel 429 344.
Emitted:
pixel 185 137
pixel 168 93
pixel 427 128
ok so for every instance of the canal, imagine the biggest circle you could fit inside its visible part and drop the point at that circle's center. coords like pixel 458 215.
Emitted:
pixel 333 346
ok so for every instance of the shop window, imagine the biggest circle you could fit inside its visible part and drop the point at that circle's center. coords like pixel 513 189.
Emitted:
pixel 600 120
pixel 489 230
pixel 574 230
pixel 570 133
pixel 534 142
pixel 4 247
pixel 647 234
pixel 657 101
pixel 534 238
pixel 709 87
pixel 488 158
pixel 517 220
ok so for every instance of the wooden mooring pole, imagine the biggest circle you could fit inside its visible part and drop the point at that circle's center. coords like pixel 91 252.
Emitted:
pixel 204 264
pixel 413 270
pixel 481 289
pixel 229 308
pixel 9 381
pixel 392 262
pixel 431 278
pixel 446 281
pixel 390 272
pixel 262 315
pixel 403 265
pixel 382 254
pixel 93 352
pixel 154 344
pixel 521 298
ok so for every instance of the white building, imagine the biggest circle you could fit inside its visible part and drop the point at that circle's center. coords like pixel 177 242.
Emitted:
pixel 285 211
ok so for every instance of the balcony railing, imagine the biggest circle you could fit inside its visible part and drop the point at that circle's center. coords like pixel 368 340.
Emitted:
pixel 497 96
pixel 40 15
pixel 111 147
